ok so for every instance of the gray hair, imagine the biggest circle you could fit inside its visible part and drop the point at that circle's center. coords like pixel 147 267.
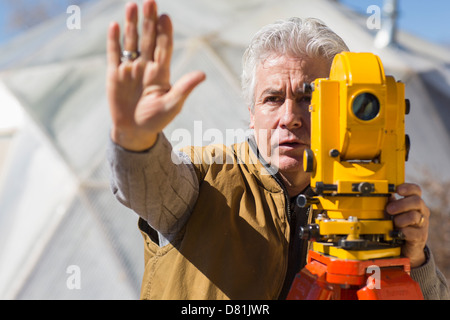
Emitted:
pixel 294 37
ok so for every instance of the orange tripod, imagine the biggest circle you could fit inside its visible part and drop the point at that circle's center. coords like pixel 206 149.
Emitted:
pixel 327 278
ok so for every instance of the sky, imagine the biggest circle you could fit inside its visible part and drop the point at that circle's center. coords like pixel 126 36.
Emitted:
pixel 428 19
pixel 17 16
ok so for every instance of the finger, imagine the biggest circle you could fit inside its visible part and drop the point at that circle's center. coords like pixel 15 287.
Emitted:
pixel 412 218
pixel 131 35
pixel 409 189
pixel 408 203
pixel 148 37
pixel 113 45
pixel 183 87
pixel 164 41
pixel 415 236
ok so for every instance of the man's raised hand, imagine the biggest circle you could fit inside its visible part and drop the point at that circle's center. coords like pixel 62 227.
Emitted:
pixel 141 99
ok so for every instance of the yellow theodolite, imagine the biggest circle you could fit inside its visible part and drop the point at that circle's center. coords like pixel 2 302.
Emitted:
pixel 356 161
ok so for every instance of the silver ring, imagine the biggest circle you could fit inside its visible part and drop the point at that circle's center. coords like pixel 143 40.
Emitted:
pixel 129 55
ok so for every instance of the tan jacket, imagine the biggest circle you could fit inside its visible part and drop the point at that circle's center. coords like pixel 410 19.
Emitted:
pixel 235 244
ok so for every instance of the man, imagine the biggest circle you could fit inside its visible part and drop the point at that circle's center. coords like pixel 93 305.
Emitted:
pixel 229 230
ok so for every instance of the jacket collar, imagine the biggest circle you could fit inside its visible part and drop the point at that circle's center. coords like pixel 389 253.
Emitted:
pixel 249 155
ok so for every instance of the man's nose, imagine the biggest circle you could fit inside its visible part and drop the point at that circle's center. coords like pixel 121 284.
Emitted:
pixel 290 117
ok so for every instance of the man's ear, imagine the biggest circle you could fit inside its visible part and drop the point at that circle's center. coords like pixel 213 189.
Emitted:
pixel 252 119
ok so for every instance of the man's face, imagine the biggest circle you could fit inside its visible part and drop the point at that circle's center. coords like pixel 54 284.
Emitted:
pixel 281 117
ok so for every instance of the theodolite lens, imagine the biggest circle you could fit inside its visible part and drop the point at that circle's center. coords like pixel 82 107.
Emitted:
pixel 366 106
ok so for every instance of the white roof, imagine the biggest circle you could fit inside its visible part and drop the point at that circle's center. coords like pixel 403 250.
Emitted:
pixel 56 208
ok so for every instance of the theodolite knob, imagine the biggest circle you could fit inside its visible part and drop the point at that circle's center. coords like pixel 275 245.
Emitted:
pixel 304 201
pixel 309 232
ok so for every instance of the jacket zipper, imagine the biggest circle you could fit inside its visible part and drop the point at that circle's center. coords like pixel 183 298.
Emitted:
pixel 274 175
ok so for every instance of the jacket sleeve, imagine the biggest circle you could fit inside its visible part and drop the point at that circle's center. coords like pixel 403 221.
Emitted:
pixel 432 282
pixel 158 184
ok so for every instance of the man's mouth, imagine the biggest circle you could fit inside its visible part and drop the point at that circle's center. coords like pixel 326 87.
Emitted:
pixel 291 144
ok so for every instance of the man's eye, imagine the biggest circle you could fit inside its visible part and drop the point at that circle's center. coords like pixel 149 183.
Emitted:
pixel 273 99
pixel 305 99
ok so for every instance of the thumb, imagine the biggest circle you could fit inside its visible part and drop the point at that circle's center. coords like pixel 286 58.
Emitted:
pixel 183 87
